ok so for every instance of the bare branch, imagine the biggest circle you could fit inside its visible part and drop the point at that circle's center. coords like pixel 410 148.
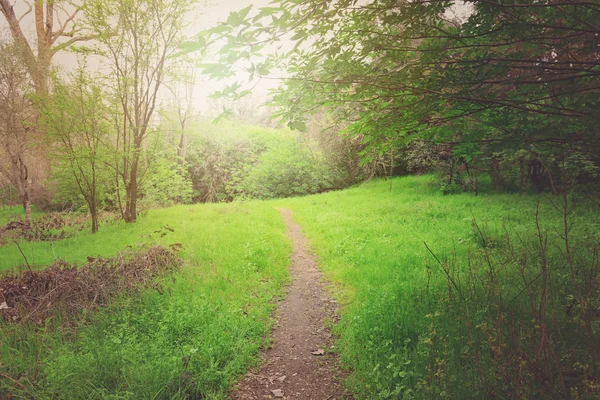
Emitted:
pixel 26 12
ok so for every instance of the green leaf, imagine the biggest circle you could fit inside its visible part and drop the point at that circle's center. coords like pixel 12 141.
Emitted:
pixel 189 47
pixel 298 36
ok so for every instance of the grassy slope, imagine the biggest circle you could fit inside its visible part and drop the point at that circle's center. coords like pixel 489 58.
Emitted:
pixel 194 339
pixel 370 244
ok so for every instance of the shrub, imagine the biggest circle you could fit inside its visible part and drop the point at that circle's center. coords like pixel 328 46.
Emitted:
pixel 285 171
pixel 166 184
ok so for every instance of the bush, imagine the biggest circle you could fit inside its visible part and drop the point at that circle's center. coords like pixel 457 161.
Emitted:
pixel 166 184
pixel 233 160
pixel 285 171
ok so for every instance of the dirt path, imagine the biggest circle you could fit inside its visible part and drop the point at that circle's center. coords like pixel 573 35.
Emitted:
pixel 298 366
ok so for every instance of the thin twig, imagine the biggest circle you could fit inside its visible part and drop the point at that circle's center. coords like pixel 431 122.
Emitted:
pixel 14 381
pixel 447 273
pixel 23 254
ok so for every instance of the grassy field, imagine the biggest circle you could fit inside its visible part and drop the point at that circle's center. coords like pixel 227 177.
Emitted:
pixel 399 335
pixel 191 341
pixel 404 331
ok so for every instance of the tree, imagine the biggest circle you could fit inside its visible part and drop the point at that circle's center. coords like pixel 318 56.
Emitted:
pixel 180 113
pixel 138 40
pixel 507 75
pixel 55 29
pixel 17 117
pixel 77 119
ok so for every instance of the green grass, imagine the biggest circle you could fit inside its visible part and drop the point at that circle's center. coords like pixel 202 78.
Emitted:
pixel 370 245
pixel 401 334
pixel 191 341
pixel 9 212
pixel 194 226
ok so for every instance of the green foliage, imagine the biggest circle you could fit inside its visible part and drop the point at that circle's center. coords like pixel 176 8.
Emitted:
pixel 66 193
pixel 75 118
pixel 218 152
pixel 421 157
pixel 520 302
pixel 285 171
pixel 404 332
pixel 138 44
pixel 492 80
pixel 166 184
pixel 190 341
pixel 232 160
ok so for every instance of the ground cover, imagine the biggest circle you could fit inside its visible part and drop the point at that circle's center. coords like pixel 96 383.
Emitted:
pixel 7 213
pixel 405 331
pixel 191 339
pixel 458 296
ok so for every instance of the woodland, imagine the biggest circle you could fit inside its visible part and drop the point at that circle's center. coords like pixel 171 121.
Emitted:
pixel 441 157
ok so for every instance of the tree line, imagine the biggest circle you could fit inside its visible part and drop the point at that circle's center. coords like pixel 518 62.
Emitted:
pixel 90 121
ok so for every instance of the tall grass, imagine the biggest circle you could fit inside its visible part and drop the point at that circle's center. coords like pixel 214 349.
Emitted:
pixel 404 332
pixel 190 340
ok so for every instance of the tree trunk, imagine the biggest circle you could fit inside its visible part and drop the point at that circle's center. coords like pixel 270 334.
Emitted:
pixel 497 180
pixel 132 188
pixel 40 75
pixel 182 149
pixel 94 215
pixel 27 207
pixel 23 183
pixel 25 193
pixel 130 204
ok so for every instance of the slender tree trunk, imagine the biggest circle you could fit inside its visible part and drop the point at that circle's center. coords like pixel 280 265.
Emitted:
pixel 25 193
pixel 93 204
pixel 27 207
pixel 94 215
pixel 132 188
pixel 23 183
pixel 497 174
pixel 182 149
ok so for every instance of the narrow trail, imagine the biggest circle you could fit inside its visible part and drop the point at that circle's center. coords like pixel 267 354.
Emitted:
pixel 298 365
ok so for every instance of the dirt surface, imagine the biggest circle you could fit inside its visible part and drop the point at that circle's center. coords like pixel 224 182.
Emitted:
pixel 300 364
